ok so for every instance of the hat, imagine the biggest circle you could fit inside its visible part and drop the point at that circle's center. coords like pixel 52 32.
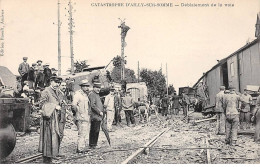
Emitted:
pixel 222 88
pixel 39 61
pixel 33 64
pixel 25 58
pixel 97 85
pixel 47 64
pixel 84 83
pixel 55 78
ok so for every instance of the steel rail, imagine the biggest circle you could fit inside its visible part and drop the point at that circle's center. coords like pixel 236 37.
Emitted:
pixel 142 149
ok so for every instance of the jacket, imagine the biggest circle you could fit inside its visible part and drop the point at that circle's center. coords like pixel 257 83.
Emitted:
pixel 81 101
pixel 96 106
pixel 23 68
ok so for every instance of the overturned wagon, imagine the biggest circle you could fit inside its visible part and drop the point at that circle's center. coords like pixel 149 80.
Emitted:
pixel 14 117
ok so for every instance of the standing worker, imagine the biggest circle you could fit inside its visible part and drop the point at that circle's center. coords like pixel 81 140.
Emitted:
pixel 231 106
pixel 118 108
pixel 109 105
pixel 246 101
pixel 165 105
pixel 96 114
pixel 185 103
pixel 127 104
pixel 220 111
pixel 81 106
pixel 176 104
pixel 49 134
pixel 23 70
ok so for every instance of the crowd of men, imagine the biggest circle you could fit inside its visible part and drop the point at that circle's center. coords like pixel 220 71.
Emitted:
pixel 234 110
pixel 90 110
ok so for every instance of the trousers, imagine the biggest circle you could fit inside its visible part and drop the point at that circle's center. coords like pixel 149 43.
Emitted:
pixel 232 121
pixel 220 123
pixel 117 115
pixel 129 116
pixel 110 118
pixel 94 132
pixel 83 132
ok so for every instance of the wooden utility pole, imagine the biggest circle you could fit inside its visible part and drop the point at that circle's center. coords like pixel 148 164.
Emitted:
pixel 59 50
pixel 167 79
pixel 124 30
pixel 138 72
pixel 71 25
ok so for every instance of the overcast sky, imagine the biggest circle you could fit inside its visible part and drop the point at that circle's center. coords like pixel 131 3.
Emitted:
pixel 189 39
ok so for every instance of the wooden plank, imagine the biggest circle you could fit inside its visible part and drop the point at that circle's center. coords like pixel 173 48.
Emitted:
pixel 140 150
pixel 208 152
pixel 203 120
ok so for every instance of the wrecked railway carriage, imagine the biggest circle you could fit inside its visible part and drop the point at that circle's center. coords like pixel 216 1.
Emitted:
pixel 240 69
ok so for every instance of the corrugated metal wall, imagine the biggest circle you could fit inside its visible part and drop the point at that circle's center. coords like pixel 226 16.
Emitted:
pixel 213 83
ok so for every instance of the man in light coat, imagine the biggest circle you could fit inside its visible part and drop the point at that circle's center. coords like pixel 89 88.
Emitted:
pixel 219 108
pixel 81 103
pixel 109 105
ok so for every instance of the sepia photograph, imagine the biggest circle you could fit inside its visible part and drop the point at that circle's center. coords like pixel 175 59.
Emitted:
pixel 130 82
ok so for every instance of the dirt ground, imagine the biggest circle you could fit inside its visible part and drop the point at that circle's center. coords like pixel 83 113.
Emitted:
pixel 184 143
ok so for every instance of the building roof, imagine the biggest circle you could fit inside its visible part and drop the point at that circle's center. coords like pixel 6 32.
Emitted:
pixel 7 77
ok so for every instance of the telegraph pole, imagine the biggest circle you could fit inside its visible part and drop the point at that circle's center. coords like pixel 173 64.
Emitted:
pixel 167 79
pixel 59 50
pixel 138 71
pixel 124 29
pixel 71 25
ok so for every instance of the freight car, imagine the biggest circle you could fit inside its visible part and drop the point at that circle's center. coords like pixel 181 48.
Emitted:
pixel 14 113
pixel 240 69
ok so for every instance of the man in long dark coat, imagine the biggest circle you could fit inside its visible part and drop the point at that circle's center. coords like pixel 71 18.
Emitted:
pixel 96 114
pixel 47 74
pixel 50 135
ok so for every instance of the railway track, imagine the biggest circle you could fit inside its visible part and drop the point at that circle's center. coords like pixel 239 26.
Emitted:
pixel 29 159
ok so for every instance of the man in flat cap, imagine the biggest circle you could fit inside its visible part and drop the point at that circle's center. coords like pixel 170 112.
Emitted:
pixel 82 116
pixel 47 74
pixel 109 106
pixel 231 107
pixel 96 114
pixel 23 70
pixel 32 76
pixel 219 109
pixel 128 107
pixel 50 105
pixel 246 101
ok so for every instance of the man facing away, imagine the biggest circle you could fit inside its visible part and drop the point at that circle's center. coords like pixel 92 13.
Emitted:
pixel 96 114
pixel 81 105
pixel 23 70
pixel 109 105
pixel 219 108
pixel 231 106
pixel 127 104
